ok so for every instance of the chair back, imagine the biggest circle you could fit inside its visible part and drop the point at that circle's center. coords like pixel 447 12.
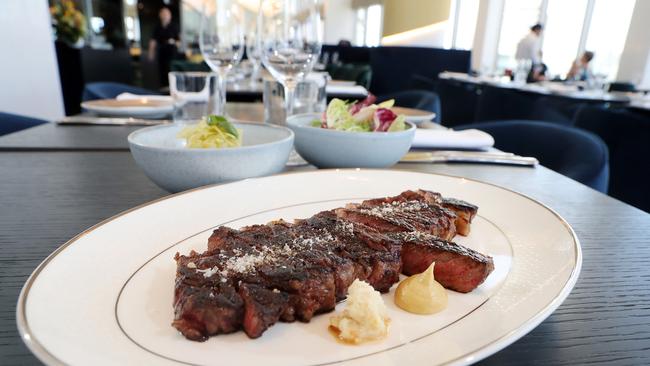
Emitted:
pixel 627 134
pixel 573 152
pixel 622 86
pixel 13 123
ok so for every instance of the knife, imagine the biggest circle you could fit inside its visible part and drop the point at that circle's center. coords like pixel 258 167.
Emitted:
pixel 119 121
pixel 485 157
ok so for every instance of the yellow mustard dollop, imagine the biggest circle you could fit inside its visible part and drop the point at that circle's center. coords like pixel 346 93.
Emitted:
pixel 421 293
pixel 364 318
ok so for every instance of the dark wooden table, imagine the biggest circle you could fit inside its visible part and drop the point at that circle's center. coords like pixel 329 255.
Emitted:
pixel 55 137
pixel 49 196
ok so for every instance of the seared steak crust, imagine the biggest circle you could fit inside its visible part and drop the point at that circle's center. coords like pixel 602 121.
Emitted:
pixel 251 278
pixel 457 267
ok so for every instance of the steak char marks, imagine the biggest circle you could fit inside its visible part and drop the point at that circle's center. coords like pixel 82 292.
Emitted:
pixel 279 272
pixel 251 278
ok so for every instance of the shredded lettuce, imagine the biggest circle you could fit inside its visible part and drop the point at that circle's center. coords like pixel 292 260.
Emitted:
pixel 361 116
pixel 398 124
pixel 212 132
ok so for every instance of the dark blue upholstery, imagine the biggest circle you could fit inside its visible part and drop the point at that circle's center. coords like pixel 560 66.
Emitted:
pixel 556 109
pixel 627 134
pixel 459 101
pixel 622 86
pixel 393 67
pixel 576 153
pixel 419 99
pixel 497 103
pixel 12 122
pixel 108 90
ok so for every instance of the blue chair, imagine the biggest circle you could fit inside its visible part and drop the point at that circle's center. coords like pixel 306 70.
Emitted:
pixel 419 99
pixel 627 134
pixel 573 152
pixel 12 123
pixel 109 90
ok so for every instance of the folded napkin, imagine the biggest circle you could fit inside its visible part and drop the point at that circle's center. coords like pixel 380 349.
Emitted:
pixel 161 98
pixel 449 139
pixel 346 89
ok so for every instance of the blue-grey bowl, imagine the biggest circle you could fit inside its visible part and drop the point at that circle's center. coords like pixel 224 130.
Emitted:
pixel 340 149
pixel 174 167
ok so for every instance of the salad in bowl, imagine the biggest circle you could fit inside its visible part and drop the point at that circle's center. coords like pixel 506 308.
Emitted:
pixel 362 116
pixel 352 135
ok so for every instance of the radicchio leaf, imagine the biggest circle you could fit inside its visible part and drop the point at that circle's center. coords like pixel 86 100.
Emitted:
pixel 356 107
pixel 382 120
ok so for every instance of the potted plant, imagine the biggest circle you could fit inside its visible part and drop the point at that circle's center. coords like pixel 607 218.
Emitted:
pixel 69 23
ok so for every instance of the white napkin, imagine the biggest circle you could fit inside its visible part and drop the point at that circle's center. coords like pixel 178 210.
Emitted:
pixel 162 98
pixel 346 89
pixel 449 139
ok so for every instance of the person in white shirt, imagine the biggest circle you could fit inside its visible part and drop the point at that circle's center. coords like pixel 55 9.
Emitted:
pixel 529 47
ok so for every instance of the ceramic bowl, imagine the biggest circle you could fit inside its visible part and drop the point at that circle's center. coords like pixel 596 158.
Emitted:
pixel 174 167
pixel 340 149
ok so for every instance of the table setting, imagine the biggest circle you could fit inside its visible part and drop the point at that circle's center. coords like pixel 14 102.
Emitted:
pixel 302 199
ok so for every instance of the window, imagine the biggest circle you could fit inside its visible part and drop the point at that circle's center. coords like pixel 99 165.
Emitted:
pixel 570 28
pixel 461 27
pixel 518 17
pixel 368 25
pixel 607 33
pixel 562 33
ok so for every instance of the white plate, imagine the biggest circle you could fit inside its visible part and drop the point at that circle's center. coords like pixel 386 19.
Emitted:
pixel 142 107
pixel 105 297
pixel 413 115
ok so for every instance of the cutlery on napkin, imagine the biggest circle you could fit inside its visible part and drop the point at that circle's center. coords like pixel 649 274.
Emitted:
pixel 485 157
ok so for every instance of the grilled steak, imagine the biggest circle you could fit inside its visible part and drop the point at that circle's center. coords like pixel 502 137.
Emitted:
pixel 251 278
pixel 460 212
pixel 402 216
pixel 457 267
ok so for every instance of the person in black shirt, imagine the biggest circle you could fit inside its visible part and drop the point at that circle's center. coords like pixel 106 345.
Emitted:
pixel 164 44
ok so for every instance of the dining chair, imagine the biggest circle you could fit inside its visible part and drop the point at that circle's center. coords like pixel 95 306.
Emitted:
pixel 627 134
pixel 13 122
pixel 418 99
pixel 621 86
pixel 109 90
pixel 570 151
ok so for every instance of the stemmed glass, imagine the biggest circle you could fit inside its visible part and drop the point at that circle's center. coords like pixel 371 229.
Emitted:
pixel 253 52
pixel 221 39
pixel 291 38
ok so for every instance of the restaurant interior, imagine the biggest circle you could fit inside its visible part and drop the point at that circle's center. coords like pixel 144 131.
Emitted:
pixel 130 129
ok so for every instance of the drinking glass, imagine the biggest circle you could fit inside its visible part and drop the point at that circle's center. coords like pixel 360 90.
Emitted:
pixel 310 96
pixel 291 38
pixel 195 95
pixel 221 39
pixel 253 53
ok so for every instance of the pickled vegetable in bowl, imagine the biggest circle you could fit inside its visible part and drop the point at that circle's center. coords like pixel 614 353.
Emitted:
pixel 212 132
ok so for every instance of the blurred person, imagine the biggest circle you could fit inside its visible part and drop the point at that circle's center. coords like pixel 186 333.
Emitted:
pixel 345 43
pixel 163 45
pixel 580 68
pixel 529 47
pixel 537 71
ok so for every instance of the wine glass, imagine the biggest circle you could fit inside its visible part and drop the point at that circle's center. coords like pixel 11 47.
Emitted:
pixel 221 39
pixel 291 38
pixel 253 52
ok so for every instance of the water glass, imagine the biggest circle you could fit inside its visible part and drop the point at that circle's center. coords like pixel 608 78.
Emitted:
pixel 310 96
pixel 291 38
pixel 195 95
